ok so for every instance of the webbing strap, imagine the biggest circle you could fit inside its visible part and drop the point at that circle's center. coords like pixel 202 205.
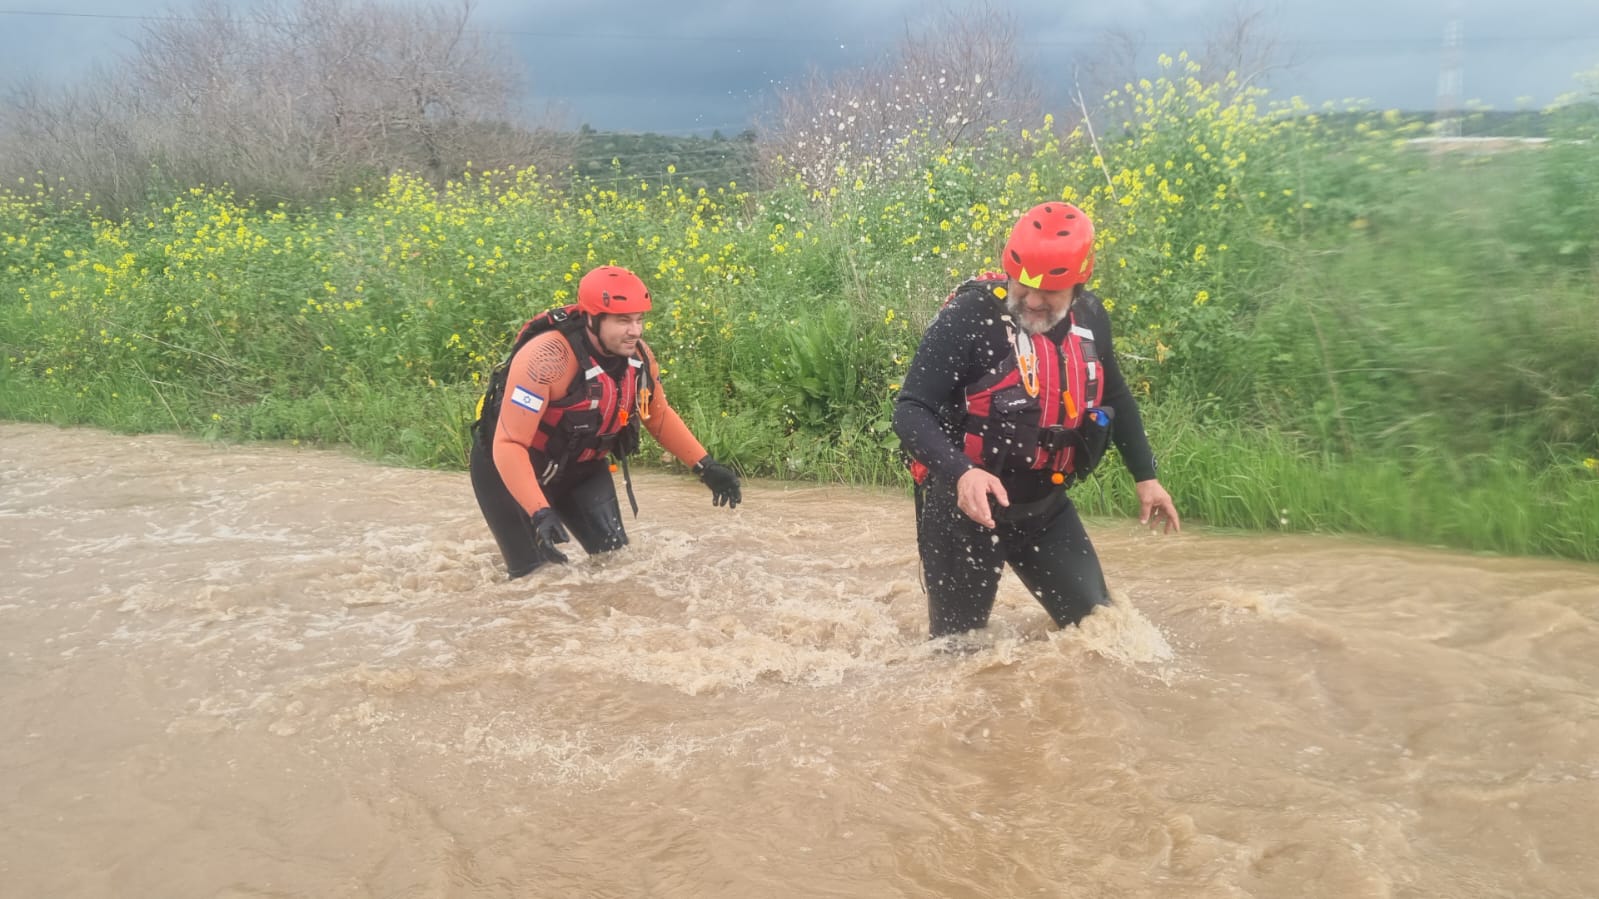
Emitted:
pixel 627 480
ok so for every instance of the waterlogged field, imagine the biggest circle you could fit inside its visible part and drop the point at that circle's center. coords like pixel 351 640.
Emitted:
pixel 1330 329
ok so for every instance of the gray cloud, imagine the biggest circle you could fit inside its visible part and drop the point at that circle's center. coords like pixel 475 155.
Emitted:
pixel 694 66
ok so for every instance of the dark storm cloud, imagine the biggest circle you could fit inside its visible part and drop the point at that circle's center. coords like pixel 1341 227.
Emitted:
pixel 62 48
pixel 1392 53
pixel 663 67
pixel 719 62
pixel 695 66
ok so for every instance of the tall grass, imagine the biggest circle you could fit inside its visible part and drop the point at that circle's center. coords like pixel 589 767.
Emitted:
pixel 1261 479
pixel 1330 330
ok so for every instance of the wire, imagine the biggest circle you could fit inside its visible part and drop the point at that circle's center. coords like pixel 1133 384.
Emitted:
pixel 1421 42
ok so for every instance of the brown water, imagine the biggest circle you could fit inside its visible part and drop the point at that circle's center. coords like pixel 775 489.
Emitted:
pixel 261 671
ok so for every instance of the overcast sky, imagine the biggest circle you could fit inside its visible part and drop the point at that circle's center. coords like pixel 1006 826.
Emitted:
pixel 697 65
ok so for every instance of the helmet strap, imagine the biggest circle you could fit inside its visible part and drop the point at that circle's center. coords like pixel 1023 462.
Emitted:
pixel 591 328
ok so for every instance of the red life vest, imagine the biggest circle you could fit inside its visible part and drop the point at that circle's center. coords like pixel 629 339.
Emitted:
pixel 1039 409
pixel 597 416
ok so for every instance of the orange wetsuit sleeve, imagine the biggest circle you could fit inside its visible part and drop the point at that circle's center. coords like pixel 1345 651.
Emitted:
pixel 540 373
pixel 666 426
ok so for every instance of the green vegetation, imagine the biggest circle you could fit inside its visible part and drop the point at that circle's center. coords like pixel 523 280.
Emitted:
pixel 1330 328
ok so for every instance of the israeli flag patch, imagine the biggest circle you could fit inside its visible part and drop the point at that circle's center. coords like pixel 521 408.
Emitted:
pixel 527 399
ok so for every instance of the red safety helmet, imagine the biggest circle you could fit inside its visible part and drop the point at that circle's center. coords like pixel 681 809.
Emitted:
pixel 612 289
pixel 1051 247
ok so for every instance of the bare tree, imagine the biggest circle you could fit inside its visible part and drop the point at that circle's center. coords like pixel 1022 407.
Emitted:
pixel 953 79
pixel 290 100
pixel 1115 61
pixel 1240 42
pixel 1243 43
pixel 82 136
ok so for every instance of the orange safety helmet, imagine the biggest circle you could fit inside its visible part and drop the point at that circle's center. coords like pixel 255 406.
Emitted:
pixel 1051 247
pixel 612 289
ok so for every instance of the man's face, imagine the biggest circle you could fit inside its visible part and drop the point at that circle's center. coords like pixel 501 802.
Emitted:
pixel 1035 310
pixel 619 334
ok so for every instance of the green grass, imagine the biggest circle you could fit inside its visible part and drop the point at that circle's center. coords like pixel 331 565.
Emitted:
pixel 1334 335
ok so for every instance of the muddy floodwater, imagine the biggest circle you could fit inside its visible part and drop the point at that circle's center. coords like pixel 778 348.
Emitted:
pixel 262 671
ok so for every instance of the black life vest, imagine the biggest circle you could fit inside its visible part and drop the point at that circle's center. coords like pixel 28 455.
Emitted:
pixel 598 415
pixel 1039 408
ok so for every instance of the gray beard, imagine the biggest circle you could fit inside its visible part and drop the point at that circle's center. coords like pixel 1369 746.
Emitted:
pixel 1017 314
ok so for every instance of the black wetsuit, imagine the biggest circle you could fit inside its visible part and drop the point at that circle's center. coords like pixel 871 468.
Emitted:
pixel 1040 534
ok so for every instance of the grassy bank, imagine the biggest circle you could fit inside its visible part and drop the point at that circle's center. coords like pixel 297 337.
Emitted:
pixel 1330 330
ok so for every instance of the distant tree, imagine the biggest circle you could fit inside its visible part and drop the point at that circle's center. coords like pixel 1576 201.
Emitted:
pixel 290 101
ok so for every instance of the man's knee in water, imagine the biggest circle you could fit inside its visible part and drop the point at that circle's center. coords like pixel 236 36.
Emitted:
pixel 949 624
pixel 1076 614
pixel 600 537
pixel 519 573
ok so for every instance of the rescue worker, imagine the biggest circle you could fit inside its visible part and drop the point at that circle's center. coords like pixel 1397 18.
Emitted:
pixel 1011 398
pixel 573 392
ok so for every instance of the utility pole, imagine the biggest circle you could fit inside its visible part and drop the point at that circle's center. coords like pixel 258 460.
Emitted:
pixel 1451 78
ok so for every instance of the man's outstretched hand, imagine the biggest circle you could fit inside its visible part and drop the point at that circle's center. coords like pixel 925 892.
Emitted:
pixel 722 481
pixel 1155 507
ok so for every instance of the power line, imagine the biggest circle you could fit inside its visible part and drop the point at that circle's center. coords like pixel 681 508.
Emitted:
pixel 99 15
pixel 1415 42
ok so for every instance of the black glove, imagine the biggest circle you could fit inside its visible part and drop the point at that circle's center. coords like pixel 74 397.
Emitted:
pixel 548 531
pixel 722 481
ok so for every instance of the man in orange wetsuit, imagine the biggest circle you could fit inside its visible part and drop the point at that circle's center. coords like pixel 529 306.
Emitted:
pixel 577 385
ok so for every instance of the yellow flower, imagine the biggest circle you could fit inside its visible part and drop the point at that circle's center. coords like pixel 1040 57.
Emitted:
pixel 1591 464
